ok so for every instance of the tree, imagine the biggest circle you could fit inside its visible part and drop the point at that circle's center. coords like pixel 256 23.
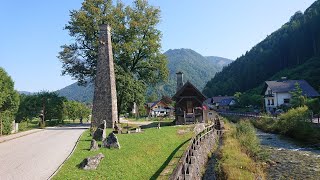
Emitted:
pixel 135 42
pixel 75 110
pixel 32 105
pixel 297 98
pixel 9 101
pixel 314 105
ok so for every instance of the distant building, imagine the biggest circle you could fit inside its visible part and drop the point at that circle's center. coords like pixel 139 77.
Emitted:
pixel 221 103
pixel 189 102
pixel 277 93
pixel 159 108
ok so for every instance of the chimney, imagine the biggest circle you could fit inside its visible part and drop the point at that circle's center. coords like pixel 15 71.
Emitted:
pixel 283 78
pixel 179 80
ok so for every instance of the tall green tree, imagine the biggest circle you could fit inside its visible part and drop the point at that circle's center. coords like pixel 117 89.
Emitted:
pixel 135 42
pixel 297 98
pixel 75 110
pixel 9 101
pixel 32 105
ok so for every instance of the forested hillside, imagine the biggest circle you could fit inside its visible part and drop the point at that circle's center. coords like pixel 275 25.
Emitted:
pixel 220 62
pixel 196 68
pixel 293 45
pixel 78 93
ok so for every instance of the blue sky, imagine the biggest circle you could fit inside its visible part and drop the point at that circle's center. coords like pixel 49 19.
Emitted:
pixel 32 32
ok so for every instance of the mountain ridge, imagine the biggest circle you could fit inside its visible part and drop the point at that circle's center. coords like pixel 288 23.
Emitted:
pixel 196 68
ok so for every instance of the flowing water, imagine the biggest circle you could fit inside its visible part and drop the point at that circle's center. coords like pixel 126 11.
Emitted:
pixel 289 160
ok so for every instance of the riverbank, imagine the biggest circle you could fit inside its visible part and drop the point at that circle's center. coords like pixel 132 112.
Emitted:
pixel 289 160
pixel 295 124
pixel 238 156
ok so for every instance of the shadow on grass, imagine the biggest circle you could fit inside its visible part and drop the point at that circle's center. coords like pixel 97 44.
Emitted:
pixel 165 164
pixel 155 124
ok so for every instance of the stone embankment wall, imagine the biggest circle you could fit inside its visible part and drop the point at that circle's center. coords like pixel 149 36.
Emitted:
pixel 195 158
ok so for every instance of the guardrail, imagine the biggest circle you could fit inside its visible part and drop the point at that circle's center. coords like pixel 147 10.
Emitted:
pixel 196 155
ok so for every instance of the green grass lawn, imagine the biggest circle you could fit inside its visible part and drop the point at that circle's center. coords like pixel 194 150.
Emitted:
pixel 142 156
pixel 25 126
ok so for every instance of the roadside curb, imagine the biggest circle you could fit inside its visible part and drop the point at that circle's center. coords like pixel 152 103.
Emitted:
pixel 19 136
pixel 74 148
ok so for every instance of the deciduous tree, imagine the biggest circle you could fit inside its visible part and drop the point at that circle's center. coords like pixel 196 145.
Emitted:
pixel 135 42
pixel 9 101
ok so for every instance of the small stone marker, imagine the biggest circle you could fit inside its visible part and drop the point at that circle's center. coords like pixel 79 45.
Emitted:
pixel 100 133
pixel 94 145
pixel 111 141
pixel 117 129
pixel 91 162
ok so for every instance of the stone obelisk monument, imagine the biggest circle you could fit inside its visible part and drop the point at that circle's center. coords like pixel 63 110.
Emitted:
pixel 105 93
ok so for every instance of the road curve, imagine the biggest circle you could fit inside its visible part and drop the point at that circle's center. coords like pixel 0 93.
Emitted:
pixel 38 155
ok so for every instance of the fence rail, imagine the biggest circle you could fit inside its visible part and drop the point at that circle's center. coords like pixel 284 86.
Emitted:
pixel 196 155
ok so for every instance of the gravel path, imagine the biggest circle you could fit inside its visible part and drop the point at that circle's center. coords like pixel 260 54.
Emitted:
pixel 38 155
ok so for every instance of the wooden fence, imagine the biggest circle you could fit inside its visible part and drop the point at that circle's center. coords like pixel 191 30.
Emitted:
pixel 195 157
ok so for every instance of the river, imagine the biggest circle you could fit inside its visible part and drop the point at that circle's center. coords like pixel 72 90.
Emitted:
pixel 289 160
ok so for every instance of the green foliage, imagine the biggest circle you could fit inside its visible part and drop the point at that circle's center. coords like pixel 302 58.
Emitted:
pixel 246 135
pixel 297 98
pixel 291 121
pixel 135 41
pixel 9 101
pixel 75 110
pixel 196 68
pixel 32 105
pixel 74 92
pixel 6 119
pixel 9 98
pixel 295 123
pixel 308 71
pixel 248 99
pixel 314 105
pixel 28 124
pixel 294 44
pixel 235 161
pixel 267 124
pixel 152 97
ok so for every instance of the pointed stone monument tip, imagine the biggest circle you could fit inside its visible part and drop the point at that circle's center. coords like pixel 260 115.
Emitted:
pixel 104 27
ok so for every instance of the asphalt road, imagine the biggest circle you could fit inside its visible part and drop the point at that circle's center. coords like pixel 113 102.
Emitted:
pixel 38 155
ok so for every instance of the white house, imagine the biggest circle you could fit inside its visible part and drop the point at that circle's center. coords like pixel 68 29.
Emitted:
pixel 277 93
pixel 159 108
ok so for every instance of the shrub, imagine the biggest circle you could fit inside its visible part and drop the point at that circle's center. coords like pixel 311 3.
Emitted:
pixel 234 159
pixel 295 123
pixel 297 116
pixel 7 119
pixel 246 135
pixel 267 124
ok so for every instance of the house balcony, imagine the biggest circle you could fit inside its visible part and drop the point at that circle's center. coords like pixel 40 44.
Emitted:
pixel 269 95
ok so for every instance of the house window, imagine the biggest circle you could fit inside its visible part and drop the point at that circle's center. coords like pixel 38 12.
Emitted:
pixel 268 101
pixel 286 101
pixel 272 101
pixel 269 91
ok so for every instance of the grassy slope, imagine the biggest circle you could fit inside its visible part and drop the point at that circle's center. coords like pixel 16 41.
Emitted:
pixel 234 162
pixel 142 156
